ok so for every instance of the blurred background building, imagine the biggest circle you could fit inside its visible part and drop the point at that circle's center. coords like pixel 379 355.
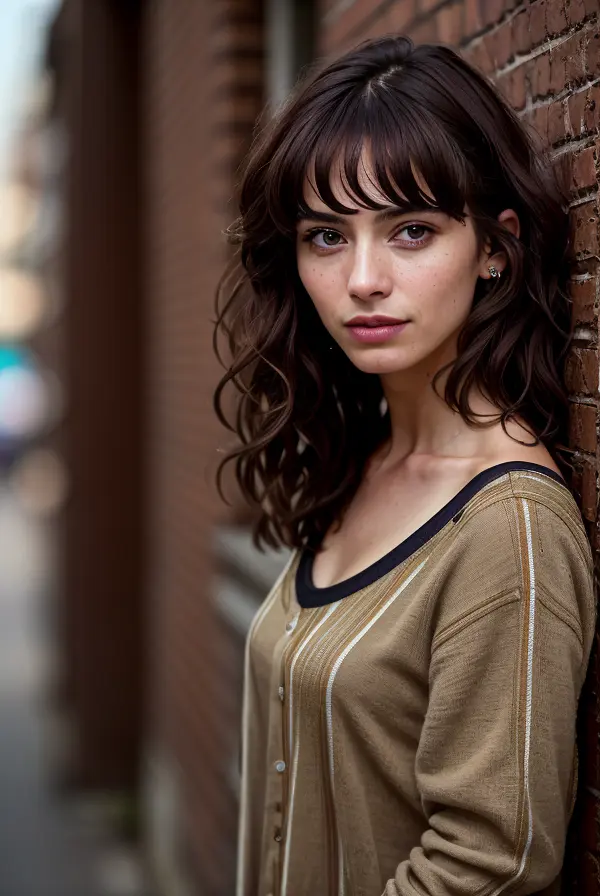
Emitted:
pixel 122 180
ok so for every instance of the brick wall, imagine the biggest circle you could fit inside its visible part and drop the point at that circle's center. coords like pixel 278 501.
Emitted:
pixel 545 56
pixel 203 76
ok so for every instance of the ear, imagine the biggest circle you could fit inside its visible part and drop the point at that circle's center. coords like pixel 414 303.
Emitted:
pixel 509 219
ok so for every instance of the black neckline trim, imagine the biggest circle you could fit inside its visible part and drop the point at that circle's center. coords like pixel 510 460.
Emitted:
pixel 308 595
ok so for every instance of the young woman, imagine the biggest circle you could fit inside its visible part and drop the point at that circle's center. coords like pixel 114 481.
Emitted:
pixel 398 327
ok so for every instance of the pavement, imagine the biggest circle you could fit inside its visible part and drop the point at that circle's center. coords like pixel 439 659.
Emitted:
pixel 48 846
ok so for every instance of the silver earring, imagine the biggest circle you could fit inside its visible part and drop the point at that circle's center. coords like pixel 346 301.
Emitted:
pixel 494 272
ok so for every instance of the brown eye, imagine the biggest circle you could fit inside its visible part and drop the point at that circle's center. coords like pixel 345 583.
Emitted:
pixel 414 235
pixel 327 238
pixel 416 231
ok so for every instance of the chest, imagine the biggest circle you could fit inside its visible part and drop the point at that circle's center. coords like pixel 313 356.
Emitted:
pixel 383 513
pixel 363 659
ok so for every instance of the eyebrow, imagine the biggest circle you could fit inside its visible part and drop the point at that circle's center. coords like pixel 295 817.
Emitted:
pixel 392 211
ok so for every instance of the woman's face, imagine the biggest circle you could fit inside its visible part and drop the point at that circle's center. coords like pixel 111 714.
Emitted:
pixel 419 268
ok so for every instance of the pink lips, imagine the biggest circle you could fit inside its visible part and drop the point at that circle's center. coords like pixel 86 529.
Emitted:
pixel 375 329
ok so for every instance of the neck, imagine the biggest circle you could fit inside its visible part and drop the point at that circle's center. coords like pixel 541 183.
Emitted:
pixel 423 424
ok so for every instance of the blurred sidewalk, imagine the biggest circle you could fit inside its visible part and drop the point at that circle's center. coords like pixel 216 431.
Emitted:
pixel 48 846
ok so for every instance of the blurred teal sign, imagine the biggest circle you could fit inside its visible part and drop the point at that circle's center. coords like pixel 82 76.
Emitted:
pixel 23 394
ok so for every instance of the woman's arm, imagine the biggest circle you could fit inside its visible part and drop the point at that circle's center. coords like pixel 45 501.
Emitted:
pixel 495 758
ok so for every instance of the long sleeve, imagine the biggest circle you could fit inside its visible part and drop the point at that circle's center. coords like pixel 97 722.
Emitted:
pixel 494 766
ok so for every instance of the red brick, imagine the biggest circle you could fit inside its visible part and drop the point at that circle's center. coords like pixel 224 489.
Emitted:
pixel 583 293
pixel 556 122
pixel 581 371
pixel 473 18
pixel 499 45
pixel 513 87
pixel 589 492
pixel 592 109
pixel 518 88
pixel 585 229
pixel 522 39
pixel 491 11
pixel 556 20
pixel 584 169
pixel 573 54
pixel 540 75
pixel 592 51
pixel 584 111
pixel 537 22
pixel 575 11
pixel 584 488
pixel 374 28
pixel 479 56
pixel 564 166
pixel 582 426
pixel 539 121
pixel 576 108
pixel 557 70
pixel 505 42
pixel 425 32
pixel 451 24
pixel 400 14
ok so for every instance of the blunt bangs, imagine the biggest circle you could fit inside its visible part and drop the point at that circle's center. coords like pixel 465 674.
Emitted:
pixel 405 142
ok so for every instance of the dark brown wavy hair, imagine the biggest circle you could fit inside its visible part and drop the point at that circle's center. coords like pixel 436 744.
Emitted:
pixel 306 419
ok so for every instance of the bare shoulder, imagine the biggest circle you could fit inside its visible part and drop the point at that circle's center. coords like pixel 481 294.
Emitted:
pixel 505 448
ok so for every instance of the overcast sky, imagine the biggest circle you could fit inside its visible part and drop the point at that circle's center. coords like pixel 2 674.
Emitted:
pixel 22 29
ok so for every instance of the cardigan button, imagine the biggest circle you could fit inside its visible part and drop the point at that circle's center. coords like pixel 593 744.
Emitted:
pixel 281 693
pixel 291 625
pixel 280 766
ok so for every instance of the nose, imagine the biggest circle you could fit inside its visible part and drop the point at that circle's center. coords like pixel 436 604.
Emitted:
pixel 369 276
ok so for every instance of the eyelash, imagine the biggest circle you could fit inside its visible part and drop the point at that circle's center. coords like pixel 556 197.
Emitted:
pixel 311 234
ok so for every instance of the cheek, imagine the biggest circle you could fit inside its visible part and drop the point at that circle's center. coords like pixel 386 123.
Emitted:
pixel 443 285
pixel 318 281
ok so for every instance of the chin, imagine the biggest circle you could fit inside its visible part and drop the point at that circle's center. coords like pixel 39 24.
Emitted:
pixel 380 361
